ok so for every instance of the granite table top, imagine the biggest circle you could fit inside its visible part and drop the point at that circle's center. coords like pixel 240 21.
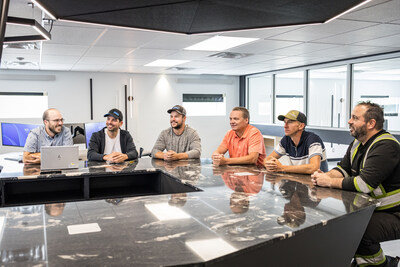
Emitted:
pixel 238 207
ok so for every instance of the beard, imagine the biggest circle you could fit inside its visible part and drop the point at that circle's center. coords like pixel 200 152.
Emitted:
pixel 52 128
pixel 359 132
pixel 177 126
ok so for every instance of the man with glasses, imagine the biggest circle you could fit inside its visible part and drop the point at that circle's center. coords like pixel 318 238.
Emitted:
pixel 52 133
pixel 371 165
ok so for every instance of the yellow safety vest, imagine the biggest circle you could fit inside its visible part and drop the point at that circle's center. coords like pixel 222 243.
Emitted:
pixel 387 199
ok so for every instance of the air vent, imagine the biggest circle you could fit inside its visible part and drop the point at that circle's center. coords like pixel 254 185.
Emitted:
pixel 180 69
pixel 20 62
pixel 230 55
pixel 25 46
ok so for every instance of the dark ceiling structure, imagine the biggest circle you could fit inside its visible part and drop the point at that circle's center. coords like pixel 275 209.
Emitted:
pixel 198 16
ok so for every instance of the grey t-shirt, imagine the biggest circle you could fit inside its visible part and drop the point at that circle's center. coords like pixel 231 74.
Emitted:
pixel 188 142
pixel 38 138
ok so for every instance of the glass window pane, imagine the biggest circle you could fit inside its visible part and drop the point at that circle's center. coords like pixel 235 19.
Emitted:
pixel 260 98
pixel 379 82
pixel 327 97
pixel 289 93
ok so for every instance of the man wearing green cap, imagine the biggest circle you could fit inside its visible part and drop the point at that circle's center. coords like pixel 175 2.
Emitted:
pixel 305 150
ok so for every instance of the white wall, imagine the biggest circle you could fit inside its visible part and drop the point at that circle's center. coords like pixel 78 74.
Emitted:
pixel 153 96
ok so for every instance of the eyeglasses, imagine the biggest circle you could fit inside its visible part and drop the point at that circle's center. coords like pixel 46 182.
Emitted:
pixel 57 121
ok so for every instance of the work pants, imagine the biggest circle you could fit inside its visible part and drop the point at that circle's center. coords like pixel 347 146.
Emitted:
pixel 383 226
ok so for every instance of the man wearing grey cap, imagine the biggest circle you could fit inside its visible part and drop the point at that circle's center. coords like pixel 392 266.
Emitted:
pixel 111 143
pixel 178 142
pixel 305 150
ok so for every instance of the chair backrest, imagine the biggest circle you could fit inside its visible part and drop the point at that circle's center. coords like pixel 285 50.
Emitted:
pixel 145 154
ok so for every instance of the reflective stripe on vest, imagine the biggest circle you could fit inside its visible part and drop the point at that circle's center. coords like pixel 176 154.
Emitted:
pixel 376 259
pixel 387 200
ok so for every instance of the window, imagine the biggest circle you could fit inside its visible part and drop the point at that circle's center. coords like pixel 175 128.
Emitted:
pixel 379 82
pixel 260 98
pixel 327 97
pixel 204 104
pixel 289 93
pixel 22 104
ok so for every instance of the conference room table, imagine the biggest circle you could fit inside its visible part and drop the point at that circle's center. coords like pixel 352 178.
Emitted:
pixel 149 212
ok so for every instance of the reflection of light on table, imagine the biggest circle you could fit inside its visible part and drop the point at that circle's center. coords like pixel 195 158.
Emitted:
pixel 165 212
pixel 11 166
pixel 3 215
pixel 210 248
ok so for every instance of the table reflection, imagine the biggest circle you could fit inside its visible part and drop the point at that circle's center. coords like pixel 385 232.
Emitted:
pixel 55 209
pixel 243 183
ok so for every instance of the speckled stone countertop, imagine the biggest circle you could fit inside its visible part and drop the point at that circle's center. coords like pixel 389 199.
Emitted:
pixel 238 207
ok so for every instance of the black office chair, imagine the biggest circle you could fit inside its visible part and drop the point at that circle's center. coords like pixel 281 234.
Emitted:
pixel 146 154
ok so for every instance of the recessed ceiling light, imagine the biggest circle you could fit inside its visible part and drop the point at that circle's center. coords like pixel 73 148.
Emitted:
pixel 220 43
pixel 165 63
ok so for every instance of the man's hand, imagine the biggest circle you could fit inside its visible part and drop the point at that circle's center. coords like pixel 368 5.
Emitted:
pixel 218 159
pixel 115 157
pixel 273 165
pixel 170 155
pixel 320 178
pixel 33 158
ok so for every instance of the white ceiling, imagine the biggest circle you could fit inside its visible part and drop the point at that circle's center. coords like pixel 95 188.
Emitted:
pixel 372 29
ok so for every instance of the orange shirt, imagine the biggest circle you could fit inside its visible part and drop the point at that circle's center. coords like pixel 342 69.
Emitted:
pixel 249 184
pixel 251 141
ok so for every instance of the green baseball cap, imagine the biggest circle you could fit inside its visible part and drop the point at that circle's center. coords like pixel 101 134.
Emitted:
pixel 294 115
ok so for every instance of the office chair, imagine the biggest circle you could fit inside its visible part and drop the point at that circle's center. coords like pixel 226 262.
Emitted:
pixel 146 154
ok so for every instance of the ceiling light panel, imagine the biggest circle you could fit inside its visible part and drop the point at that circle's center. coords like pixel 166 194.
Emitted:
pixel 166 63
pixel 220 43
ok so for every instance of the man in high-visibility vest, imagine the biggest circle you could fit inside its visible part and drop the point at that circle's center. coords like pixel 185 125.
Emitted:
pixel 371 165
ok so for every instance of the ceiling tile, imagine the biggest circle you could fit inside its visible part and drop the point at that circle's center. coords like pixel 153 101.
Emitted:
pixel 96 60
pixel 262 46
pixel 262 33
pixel 72 36
pixel 300 49
pixel 390 41
pixel 56 66
pixel 150 54
pixel 50 59
pixel 49 48
pixel 377 12
pixel 314 32
pixel 364 34
pixel 108 51
pixel 174 41
pixel 126 38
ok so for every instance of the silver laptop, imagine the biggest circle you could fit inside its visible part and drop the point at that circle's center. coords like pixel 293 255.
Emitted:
pixel 59 157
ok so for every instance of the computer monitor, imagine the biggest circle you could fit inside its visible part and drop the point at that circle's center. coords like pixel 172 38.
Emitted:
pixel 77 131
pixel 92 127
pixel 15 134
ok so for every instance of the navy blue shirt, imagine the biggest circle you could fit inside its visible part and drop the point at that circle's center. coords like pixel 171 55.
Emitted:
pixel 310 145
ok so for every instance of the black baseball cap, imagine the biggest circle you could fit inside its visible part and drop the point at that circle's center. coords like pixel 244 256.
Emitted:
pixel 116 113
pixel 178 108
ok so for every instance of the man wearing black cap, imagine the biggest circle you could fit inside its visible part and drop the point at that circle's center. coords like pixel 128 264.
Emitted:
pixel 180 141
pixel 305 150
pixel 112 144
